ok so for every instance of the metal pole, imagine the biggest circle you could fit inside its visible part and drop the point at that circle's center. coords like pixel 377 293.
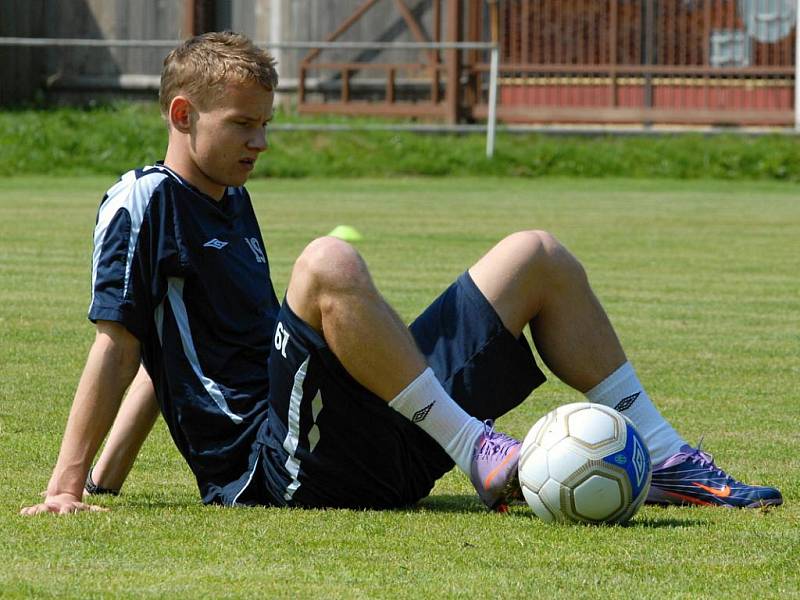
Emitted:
pixel 105 43
pixel 494 25
pixel 189 17
pixel 492 118
pixel 276 28
pixel 649 44
pixel 797 67
pixel 453 60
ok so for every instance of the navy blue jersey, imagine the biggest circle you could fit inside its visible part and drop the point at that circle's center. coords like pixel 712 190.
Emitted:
pixel 189 277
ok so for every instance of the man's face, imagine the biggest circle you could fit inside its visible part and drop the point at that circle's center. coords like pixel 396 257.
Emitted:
pixel 227 138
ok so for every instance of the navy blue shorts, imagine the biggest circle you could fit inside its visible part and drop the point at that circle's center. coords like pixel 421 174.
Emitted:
pixel 329 442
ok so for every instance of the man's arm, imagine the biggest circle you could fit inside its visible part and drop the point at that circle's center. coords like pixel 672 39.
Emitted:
pixel 133 424
pixel 112 363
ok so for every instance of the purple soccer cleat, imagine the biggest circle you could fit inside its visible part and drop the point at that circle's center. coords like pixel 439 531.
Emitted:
pixel 494 468
pixel 691 477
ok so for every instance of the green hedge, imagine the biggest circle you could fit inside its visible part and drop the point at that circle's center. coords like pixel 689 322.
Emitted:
pixel 110 140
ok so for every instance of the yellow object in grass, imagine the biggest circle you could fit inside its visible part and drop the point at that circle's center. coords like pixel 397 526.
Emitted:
pixel 346 233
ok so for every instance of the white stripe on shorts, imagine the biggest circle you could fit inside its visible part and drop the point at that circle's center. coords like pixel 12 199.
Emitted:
pixel 293 434
pixel 247 483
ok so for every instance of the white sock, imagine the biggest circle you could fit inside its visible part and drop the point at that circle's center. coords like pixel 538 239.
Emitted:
pixel 425 403
pixel 622 391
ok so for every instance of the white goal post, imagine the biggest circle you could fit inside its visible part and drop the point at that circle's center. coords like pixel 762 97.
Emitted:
pixel 797 67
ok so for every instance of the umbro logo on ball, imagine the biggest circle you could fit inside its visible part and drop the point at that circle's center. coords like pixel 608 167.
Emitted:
pixel 422 413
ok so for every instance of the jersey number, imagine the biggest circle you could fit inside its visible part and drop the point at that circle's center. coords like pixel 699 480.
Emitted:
pixel 281 339
pixel 256 248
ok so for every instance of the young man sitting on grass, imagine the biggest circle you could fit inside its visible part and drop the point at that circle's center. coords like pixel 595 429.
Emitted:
pixel 327 400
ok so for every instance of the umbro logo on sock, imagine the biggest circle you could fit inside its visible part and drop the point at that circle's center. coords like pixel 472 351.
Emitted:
pixel 626 402
pixel 215 243
pixel 422 413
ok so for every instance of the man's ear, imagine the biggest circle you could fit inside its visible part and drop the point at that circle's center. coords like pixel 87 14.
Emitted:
pixel 180 113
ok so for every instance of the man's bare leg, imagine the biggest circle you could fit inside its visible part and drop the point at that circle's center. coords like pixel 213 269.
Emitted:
pixel 530 278
pixel 331 290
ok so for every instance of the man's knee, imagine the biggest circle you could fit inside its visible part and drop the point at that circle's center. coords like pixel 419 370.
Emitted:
pixel 545 255
pixel 329 264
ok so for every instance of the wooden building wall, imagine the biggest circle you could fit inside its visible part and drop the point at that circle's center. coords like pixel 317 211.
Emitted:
pixel 305 20
pixel 75 74
pixel 21 69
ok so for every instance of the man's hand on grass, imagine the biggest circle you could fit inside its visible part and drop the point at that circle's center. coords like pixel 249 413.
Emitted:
pixel 61 504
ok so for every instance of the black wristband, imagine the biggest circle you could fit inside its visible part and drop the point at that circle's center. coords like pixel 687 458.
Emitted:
pixel 94 489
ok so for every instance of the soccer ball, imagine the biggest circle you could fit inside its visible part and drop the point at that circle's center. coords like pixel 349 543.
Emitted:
pixel 584 462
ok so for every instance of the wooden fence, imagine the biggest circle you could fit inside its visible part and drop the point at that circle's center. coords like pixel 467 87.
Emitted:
pixel 662 61
pixel 562 61
pixel 701 62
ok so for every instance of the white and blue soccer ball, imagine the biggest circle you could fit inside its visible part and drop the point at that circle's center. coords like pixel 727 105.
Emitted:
pixel 586 463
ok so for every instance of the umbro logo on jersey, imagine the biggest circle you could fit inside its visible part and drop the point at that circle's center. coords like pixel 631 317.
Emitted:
pixel 422 413
pixel 626 402
pixel 215 243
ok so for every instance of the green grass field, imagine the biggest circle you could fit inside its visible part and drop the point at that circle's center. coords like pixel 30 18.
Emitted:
pixel 702 280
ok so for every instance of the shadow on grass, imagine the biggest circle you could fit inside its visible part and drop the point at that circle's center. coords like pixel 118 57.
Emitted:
pixel 452 503
pixel 440 503
pixel 662 523
pixel 147 502
pixel 446 503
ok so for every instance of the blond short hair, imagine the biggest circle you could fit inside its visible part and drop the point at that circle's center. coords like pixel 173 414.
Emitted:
pixel 202 66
